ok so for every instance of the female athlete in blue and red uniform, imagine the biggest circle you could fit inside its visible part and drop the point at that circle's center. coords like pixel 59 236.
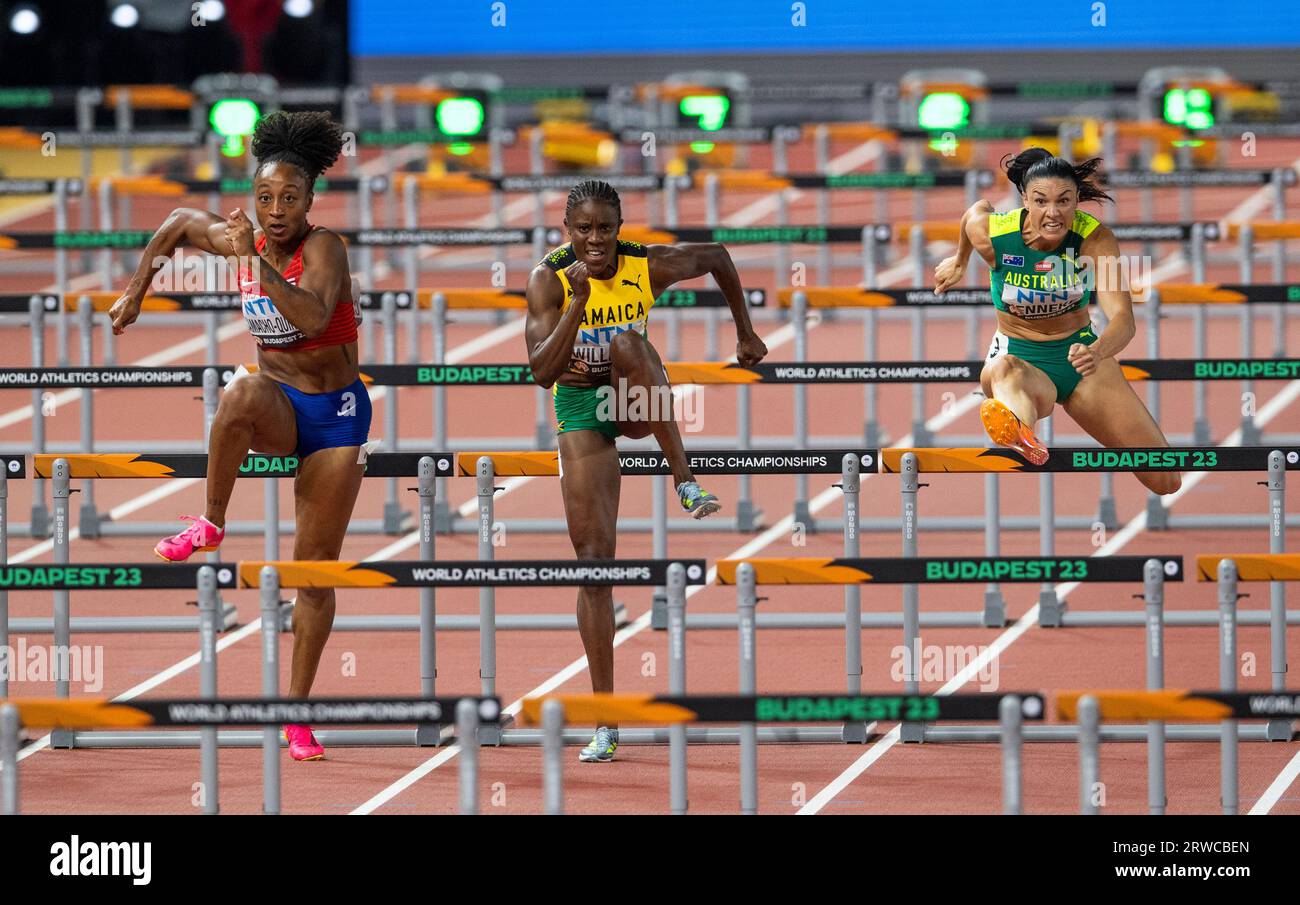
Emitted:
pixel 307 398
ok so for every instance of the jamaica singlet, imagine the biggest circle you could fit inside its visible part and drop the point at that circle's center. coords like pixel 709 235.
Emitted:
pixel 1038 284
pixel 618 304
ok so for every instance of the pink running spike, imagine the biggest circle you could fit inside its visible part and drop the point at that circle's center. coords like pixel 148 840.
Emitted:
pixel 302 744
pixel 197 538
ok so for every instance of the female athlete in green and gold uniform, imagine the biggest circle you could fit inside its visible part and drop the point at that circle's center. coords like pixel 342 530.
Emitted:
pixel 1047 260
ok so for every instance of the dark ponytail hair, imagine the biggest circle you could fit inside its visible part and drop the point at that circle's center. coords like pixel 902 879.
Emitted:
pixel 1038 163
pixel 310 140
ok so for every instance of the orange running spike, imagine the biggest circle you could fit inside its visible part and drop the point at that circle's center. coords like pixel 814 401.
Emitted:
pixel 1005 428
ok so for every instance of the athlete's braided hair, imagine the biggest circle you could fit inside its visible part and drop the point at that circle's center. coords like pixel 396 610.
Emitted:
pixel 1039 163
pixel 593 189
pixel 310 140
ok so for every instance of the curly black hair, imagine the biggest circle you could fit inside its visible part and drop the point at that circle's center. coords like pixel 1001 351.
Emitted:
pixel 594 189
pixel 1038 163
pixel 310 140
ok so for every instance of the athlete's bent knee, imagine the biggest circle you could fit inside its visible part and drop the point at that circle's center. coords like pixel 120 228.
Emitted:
pixel 248 393
pixel 628 350
pixel 1004 367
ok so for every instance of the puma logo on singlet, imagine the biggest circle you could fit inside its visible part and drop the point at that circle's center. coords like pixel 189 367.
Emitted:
pixel 636 285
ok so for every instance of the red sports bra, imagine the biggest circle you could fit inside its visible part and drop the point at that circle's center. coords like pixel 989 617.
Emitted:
pixel 272 329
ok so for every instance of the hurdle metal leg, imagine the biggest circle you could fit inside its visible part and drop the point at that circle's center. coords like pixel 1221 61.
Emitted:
pixel 851 484
pixel 799 319
pixel 747 603
pixel 270 596
pixel 487 604
pixel 748 516
pixel 659 546
pixel 1228 682
pixel 8 759
pixel 443 517
pixel 467 731
pixel 1278 730
pixel 88 516
pixel 428 733
pixel 61 738
pixel 1249 430
pixel 208 685
pixel 677 750
pixel 394 516
pixel 995 605
pixel 911 732
pixel 1050 607
pixel 1012 769
pixel 1089 756
pixel 1154 598
pixel 553 757
pixel 40 523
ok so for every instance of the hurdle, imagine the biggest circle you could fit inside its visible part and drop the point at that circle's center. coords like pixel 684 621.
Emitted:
pixel 63 469
pixel 62 577
pixel 1276 567
pixel 472 714
pixel 749 708
pixel 910 463
pixel 912 571
pixel 87 379
pixel 272 577
pixel 1196 296
pixel 487 466
pixel 1226 706
pixel 487 575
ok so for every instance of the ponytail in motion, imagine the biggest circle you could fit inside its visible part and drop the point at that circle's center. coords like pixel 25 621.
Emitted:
pixel 1038 163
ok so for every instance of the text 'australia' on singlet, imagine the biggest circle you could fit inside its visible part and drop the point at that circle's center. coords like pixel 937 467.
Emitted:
pixel 1038 284
pixel 273 330
pixel 618 304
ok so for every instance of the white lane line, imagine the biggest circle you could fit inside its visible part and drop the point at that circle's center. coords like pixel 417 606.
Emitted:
pixel 1030 619
pixel 778 530
pixel 1277 788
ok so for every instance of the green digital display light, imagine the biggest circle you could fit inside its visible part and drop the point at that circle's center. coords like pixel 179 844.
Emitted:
pixel 709 110
pixel 1192 108
pixel 943 110
pixel 460 117
pixel 232 118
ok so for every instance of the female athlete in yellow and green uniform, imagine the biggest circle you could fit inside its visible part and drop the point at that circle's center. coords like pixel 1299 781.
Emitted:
pixel 587 307
pixel 1047 259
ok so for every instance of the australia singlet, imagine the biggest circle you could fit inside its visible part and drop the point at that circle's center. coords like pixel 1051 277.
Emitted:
pixel 618 304
pixel 272 330
pixel 1038 284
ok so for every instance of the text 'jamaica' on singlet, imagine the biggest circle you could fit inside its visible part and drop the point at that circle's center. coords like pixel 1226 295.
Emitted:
pixel 1037 284
pixel 618 304
pixel 272 330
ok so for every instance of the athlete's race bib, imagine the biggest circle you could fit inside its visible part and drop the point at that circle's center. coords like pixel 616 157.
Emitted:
pixel 268 326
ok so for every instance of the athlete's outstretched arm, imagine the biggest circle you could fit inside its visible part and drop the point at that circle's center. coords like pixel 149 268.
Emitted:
pixel 1101 253
pixel 671 264
pixel 973 236
pixel 203 230
pixel 550 335
pixel 309 305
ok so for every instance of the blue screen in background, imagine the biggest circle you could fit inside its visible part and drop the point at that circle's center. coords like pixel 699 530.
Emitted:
pixel 465 27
